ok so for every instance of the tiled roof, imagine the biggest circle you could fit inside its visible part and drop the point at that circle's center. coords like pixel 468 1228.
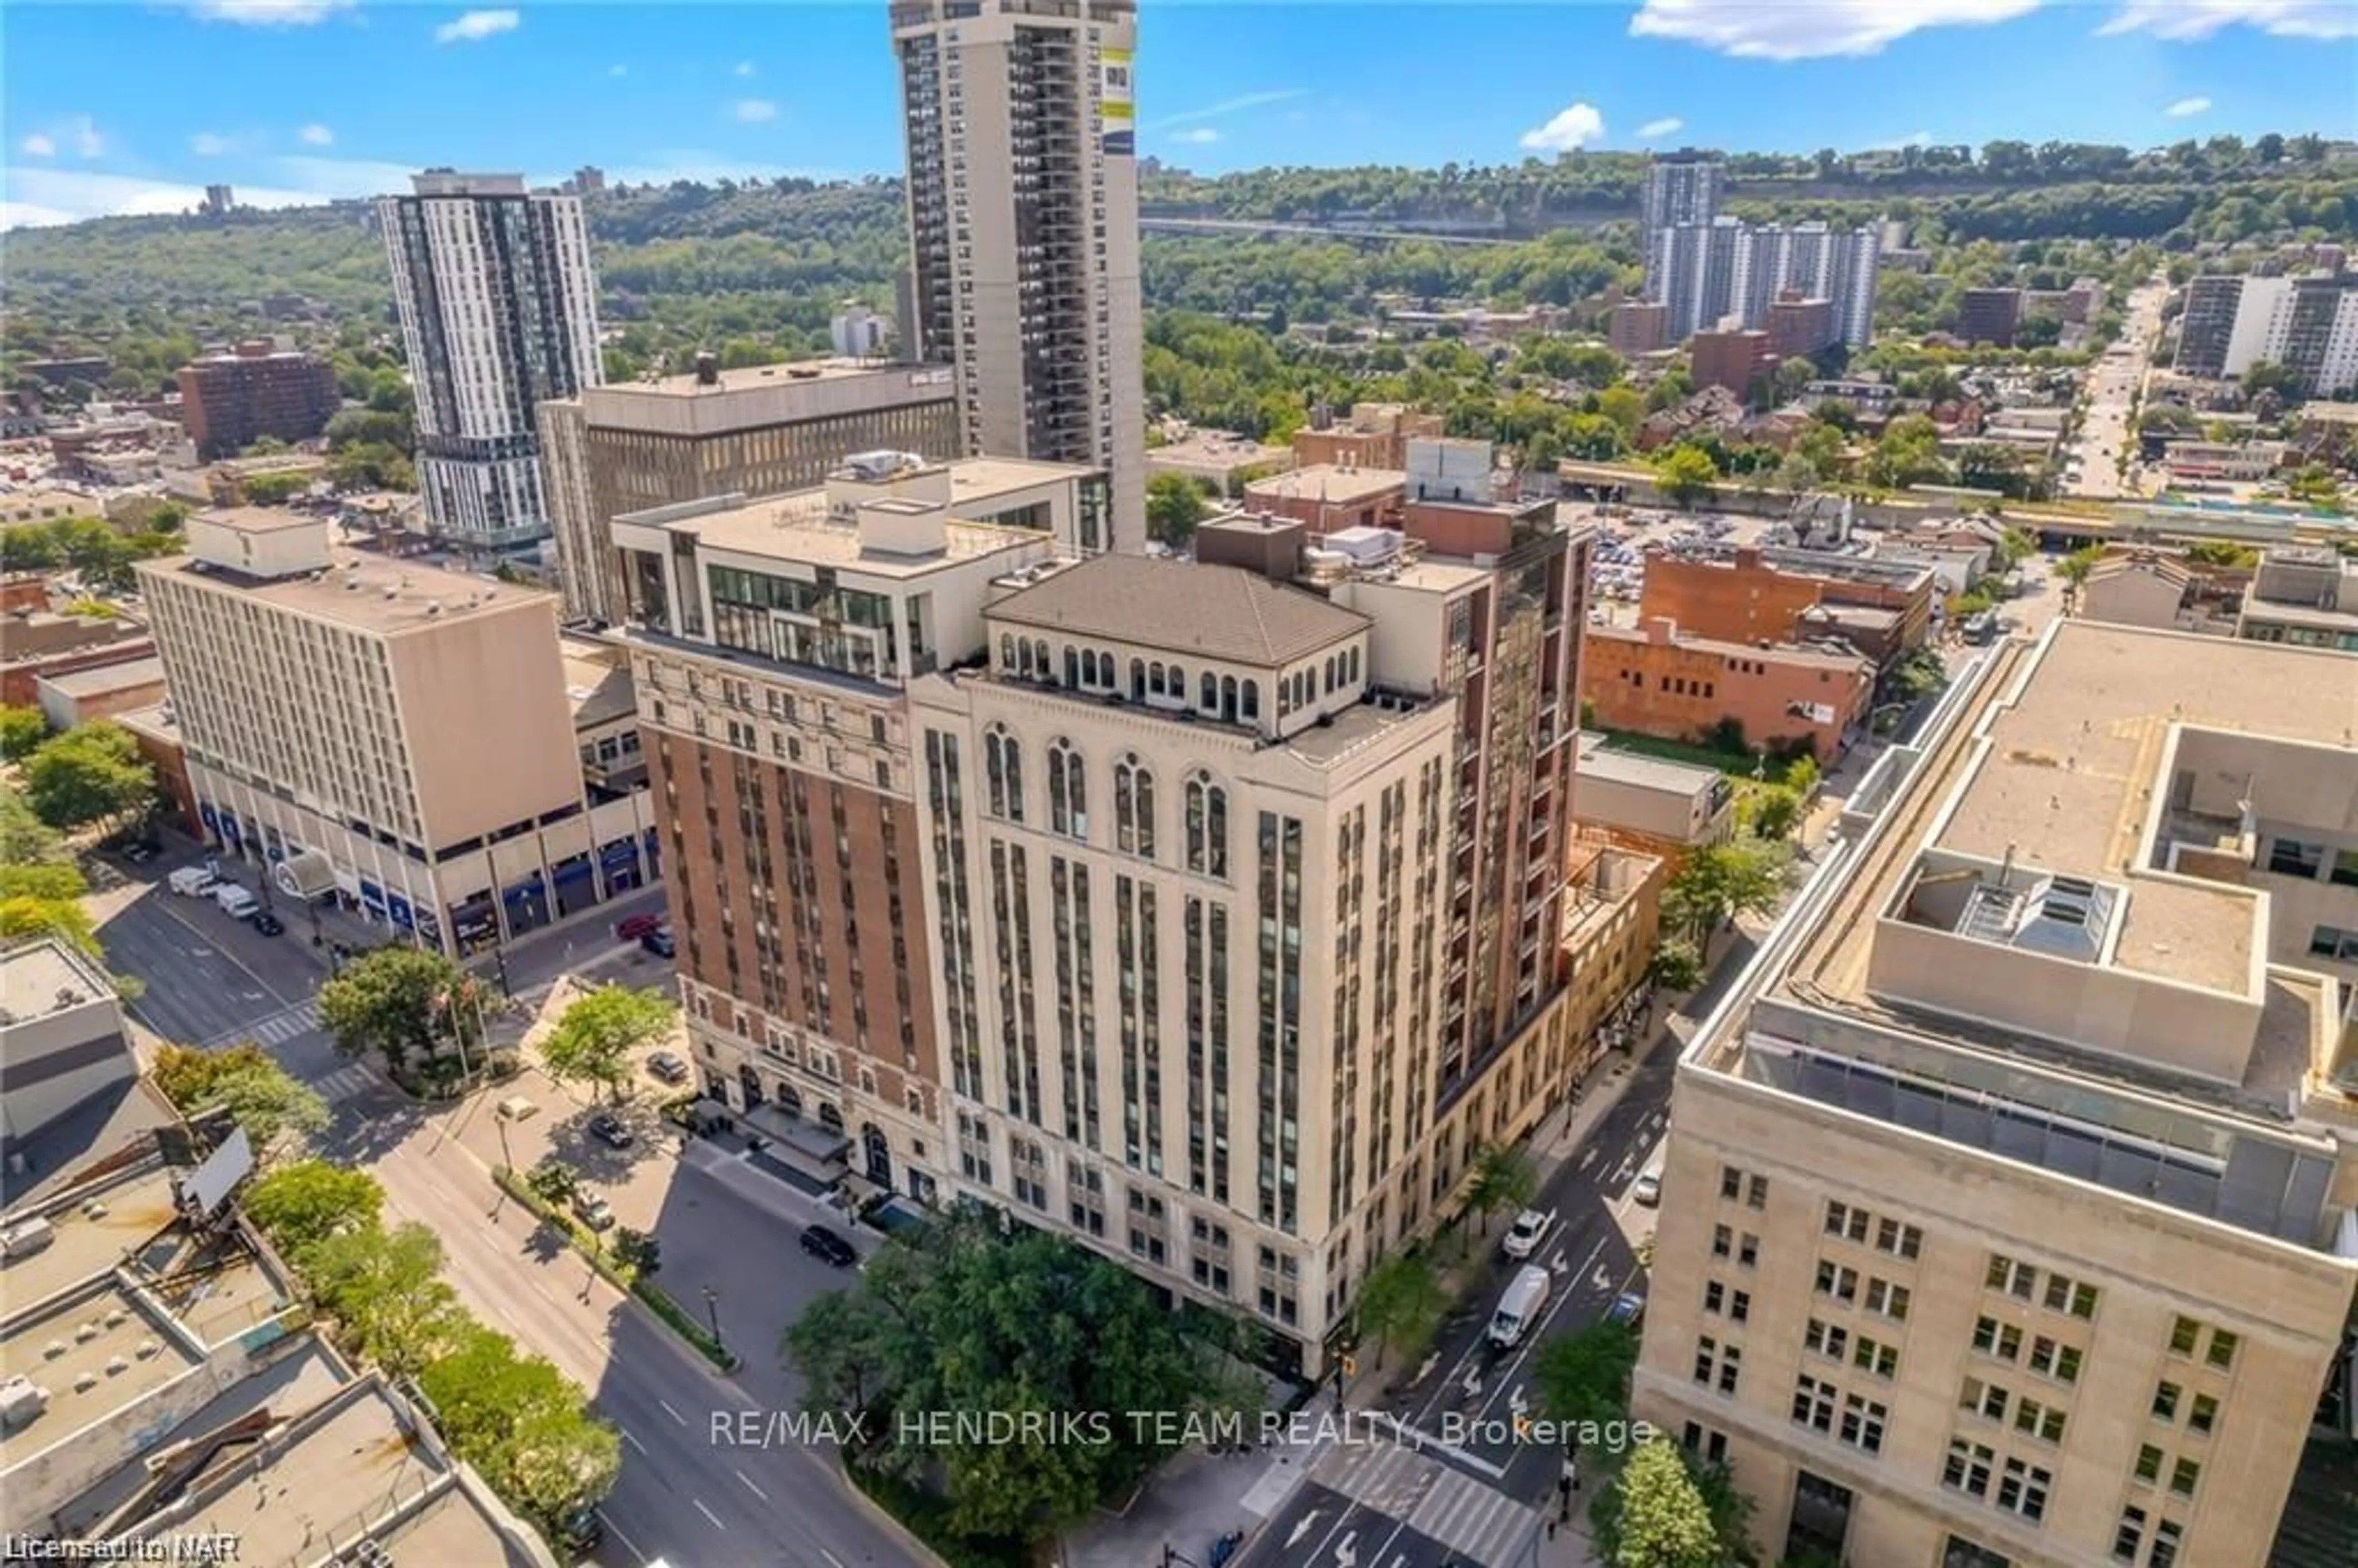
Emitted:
pixel 1222 612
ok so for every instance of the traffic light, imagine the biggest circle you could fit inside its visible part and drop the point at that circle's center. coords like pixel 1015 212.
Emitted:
pixel 1351 1367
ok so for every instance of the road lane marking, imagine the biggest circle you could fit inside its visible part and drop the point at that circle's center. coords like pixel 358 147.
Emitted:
pixel 628 1438
pixel 831 1557
pixel 707 1513
pixel 673 1414
pixel 608 1520
pixel 748 1484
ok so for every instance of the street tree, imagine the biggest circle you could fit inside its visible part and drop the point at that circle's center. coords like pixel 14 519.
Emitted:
pixel 1776 809
pixel 1796 474
pixel 2079 565
pixel 1720 882
pixel 553 1182
pixel 93 772
pixel 1504 1180
pixel 841 1350
pixel 303 1203
pixel 637 1252
pixel 25 838
pixel 1401 1304
pixel 597 1032
pixel 1584 1378
pixel 1677 965
pixel 1685 474
pixel 57 881
pixel 1173 506
pixel 1654 1516
pixel 31 918
pixel 971 1318
pixel 385 1290
pixel 262 1096
pixel 402 1003
pixel 21 730
pixel 522 1424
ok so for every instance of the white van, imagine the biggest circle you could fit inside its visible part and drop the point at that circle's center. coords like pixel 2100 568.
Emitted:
pixel 236 901
pixel 192 880
pixel 1518 1309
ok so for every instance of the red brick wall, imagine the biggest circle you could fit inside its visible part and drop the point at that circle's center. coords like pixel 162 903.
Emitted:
pixel 1679 691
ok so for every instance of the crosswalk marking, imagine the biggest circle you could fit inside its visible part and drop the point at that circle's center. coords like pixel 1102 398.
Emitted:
pixel 276 1029
pixel 343 1084
pixel 1435 1500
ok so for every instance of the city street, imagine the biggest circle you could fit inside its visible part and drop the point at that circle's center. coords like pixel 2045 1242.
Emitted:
pixel 2113 382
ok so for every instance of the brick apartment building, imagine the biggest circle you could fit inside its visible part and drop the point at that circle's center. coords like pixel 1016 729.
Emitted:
pixel 1732 360
pixel 1662 680
pixel 1376 435
pixel 1639 327
pixel 1990 315
pixel 1763 595
pixel 231 400
pixel 1327 497
pixel 1800 326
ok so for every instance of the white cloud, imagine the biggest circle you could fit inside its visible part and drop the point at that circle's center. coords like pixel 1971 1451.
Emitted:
pixel 744 68
pixel 212 144
pixel 1664 127
pixel 1806 30
pixel 1197 136
pixel 754 111
pixel 317 135
pixel 269 13
pixel 76 134
pixel 2188 106
pixel 1573 126
pixel 477 26
pixel 2188 20
pixel 1226 106
pixel 618 71
pixel 38 146
pixel 341 178
pixel 42 196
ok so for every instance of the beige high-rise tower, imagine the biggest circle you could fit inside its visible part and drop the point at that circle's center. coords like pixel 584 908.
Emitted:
pixel 1023 229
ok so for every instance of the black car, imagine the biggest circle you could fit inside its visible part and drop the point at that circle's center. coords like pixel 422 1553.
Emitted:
pixel 267 924
pixel 141 853
pixel 828 1247
pixel 608 1130
pixel 659 943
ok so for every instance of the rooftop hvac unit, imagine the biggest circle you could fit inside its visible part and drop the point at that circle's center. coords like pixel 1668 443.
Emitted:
pixel 21 1400
pixel 23 1240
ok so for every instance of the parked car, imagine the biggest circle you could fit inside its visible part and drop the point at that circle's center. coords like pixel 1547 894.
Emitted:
pixel 193 882
pixel 659 943
pixel 608 1129
pixel 828 1247
pixel 268 924
pixel 581 1530
pixel 638 925
pixel 1647 1190
pixel 1628 1307
pixel 592 1210
pixel 668 1065
pixel 236 901
pixel 1523 1235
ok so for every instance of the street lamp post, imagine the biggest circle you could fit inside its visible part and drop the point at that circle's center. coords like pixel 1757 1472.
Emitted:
pixel 712 1311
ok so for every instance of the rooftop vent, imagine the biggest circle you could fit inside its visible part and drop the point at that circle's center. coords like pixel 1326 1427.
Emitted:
pixel 2067 917
pixel 707 369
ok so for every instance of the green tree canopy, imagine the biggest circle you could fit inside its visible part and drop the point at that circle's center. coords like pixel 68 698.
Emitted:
pixel 1657 1516
pixel 1584 1377
pixel 402 1003
pixel 301 1203
pixel 521 1424
pixel 386 1292
pixel 1720 882
pixel 1685 474
pixel 262 1096
pixel 21 730
pixel 1401 1304
pixel 93 772
pixel 63 919
pixel 1174 504
pixel 596 1034
pixel 1504 1180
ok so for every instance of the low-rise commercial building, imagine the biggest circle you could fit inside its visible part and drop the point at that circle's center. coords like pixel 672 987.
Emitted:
pixel 22 506
pixel 40 643
pixel 1328 497
pixel 1661 680
pixel 1215 458
pixel 404 734
pixel 1664 808
pixel 1374 437
pixel 2305 596
pixel 1613 906
pixel 229 401
pixel 2237 462
pixel 1752 595
pixel 759 430
pixel 2008 1207
pixel 77 697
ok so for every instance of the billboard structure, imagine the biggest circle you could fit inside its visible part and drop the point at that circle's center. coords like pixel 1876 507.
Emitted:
pixel 1117 103
pixel 203 1192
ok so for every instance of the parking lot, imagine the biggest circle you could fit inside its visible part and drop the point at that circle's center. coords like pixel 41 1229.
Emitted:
pixel 1628 536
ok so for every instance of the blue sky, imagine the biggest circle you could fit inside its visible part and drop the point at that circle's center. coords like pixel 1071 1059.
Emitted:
pixel 131 107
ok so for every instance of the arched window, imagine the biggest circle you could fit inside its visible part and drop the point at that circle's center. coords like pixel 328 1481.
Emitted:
pixel 1023 659
pixel 1178 686
pixel 1208 827
pixel 1006 654
pixel 1072 665
pixel 1039 655
pixel 1330 673
pixel 1154 678
pixel 1068 811
pixel 1002 765
pixel 1352 665
pixel 1229 699
pixel 1211 691
pixel 1138 680
pixel 1134 808
pixel 1252 707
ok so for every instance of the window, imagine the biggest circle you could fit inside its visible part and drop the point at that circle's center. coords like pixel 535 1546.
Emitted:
pixel 2184 1475
pixel 1890 1300
pixel 2130 1537
pixel 2166 1537
pixel 1134 808
pixel 1739 1306
pixel 1731 1181
pixel 1881 1359
pixel 2204 1415
pixel 1735 1184
pixel 2291 857
pixel 2070 1296
pixel 2001 1340
pixel 1002 764
pixel 1902 1240
pixel 1717 1364
pixel 1827 1338
pixel 1968 1467
pixel 2325 942
pixel 1713 1296
pixel 2222 1353
pixel 2184 1335
pixel 1862 1422
pixel 2346 868
pixel 1208 828
pixel 2148 1462
pixel 1747 1249
pixel 1712 1445
pixel 1813 1404
pixel 2165 1402
pixel 2019 1280
pixel 2023 1490
pixel 1722 1241
pixel 1837 1282
pixel 1983 1399
pixel 2051 1360
pixel 2044 1422
pixel 1068 811
pixel 1850 1224
pixel 1756 1193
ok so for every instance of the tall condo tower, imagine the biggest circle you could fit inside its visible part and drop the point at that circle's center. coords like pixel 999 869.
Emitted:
pixel 1023 229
